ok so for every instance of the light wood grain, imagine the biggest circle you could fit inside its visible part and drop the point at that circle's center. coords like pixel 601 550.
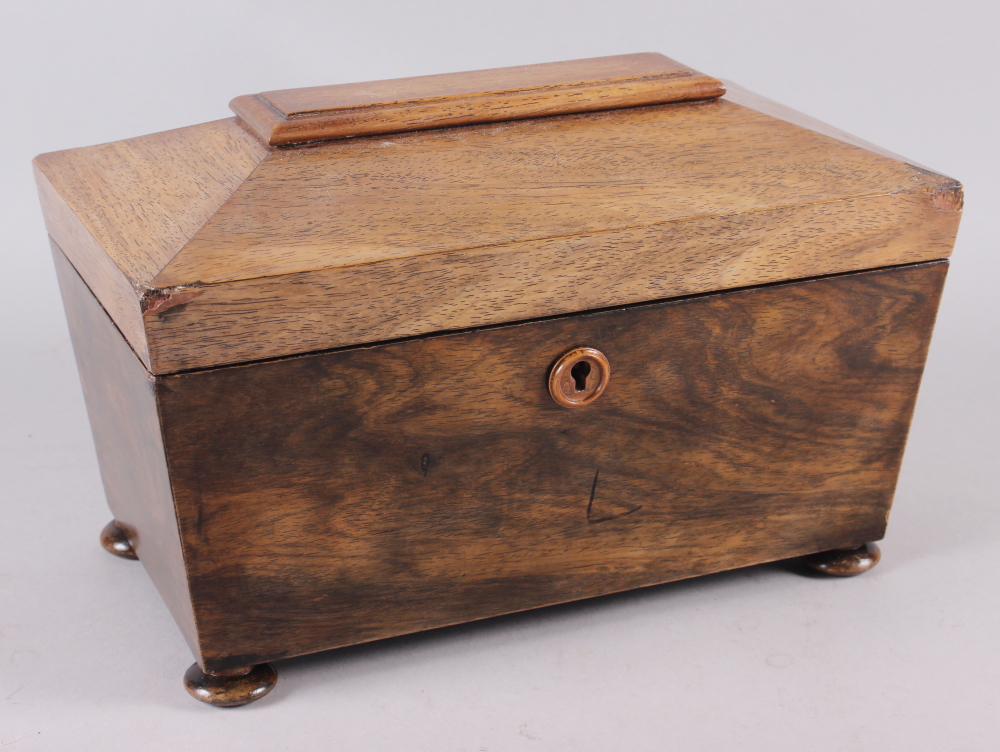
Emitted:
pixel 121 211
pixel 406 297
pixel 321 113
pixel 341 497
pixel 143 199
pixel 358 241
pixel 371 200
pixel 745 98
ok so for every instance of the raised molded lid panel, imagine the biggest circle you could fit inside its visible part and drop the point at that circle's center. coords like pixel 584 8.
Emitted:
pixel 322 113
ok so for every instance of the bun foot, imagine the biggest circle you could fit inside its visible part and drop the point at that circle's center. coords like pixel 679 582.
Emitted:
pixel 845 562
pixel 230 688
pixel 115 541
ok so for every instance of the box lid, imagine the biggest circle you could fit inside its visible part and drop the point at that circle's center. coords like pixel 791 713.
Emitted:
pixel 344 215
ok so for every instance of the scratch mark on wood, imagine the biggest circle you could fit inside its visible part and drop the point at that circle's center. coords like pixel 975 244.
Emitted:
pixel 425 464
pixel 152 301
pixel 590 507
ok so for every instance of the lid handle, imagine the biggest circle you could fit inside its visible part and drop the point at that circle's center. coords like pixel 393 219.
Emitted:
pixel 322 113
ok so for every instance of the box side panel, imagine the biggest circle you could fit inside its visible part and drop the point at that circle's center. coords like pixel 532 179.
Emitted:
pixel 348 496
pixel 121 403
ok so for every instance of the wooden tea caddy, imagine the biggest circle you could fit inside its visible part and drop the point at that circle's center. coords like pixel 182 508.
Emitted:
pixel 377 358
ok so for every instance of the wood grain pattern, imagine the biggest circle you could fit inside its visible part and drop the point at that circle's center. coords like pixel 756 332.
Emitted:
pixel 114 289
pixel 419 241
pixel 276 316
pixel 288 496
pixel 321 113
pixel 751 100
pixel 121 211
pixel 347 496
pixel 375 200
pixel 369 239
pixel 183 177
pixel 122 407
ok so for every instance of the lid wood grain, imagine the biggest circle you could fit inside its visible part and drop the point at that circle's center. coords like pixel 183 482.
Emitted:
pixel 208 247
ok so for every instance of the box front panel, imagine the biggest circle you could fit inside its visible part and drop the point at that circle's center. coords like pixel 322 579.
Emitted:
pixel 347 496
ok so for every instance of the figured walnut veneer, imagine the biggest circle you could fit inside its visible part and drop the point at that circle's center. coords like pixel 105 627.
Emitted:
pixel 376 358
pixel 355 494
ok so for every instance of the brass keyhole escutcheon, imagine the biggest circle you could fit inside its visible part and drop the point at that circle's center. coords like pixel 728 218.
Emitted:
pixel 579 377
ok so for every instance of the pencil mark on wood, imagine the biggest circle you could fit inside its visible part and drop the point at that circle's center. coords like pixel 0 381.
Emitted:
pixel 593 492
pixel 590 507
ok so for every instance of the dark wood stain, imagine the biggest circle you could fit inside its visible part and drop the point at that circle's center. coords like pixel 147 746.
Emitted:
pixel 121 403
pixel 738 428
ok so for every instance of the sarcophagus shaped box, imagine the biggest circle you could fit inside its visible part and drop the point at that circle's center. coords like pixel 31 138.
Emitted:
pixel 371 359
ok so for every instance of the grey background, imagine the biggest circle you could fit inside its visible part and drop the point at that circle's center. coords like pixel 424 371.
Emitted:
pixel 905 658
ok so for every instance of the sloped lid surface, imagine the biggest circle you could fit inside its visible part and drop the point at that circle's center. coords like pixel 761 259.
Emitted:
pixel 235 250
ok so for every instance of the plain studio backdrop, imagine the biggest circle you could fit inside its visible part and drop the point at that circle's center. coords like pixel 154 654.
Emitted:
pixel 906 657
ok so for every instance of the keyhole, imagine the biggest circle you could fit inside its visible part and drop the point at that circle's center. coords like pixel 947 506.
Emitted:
pixel 579 377
pixel 580 372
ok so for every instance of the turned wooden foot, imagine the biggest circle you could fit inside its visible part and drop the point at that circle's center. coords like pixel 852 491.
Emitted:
pixel 230 688
pixel 115 541
pixel 845 562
